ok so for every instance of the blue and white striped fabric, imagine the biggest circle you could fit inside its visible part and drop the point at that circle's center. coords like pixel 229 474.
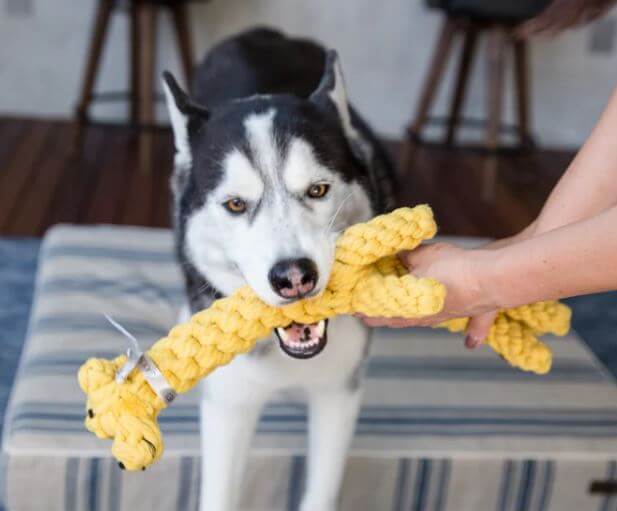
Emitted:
pixel 441 428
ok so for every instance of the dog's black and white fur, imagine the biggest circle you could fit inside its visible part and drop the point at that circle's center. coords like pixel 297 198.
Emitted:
pixel 271 165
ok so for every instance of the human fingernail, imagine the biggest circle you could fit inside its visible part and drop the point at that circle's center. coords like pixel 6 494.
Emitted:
pixel 472 343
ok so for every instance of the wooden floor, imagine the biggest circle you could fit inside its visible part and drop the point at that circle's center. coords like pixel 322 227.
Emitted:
pixel 477 194
pixel 42 183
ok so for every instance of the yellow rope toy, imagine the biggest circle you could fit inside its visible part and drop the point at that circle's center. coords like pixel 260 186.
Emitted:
pixel 366 278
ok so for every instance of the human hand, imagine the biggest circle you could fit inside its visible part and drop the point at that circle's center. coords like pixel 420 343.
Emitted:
pixel 464 274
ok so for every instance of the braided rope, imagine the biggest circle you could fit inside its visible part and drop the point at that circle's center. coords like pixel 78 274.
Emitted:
pixel 514 335
pixel 366 278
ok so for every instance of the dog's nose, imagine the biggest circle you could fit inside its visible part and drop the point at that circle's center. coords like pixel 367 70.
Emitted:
pixel 293 278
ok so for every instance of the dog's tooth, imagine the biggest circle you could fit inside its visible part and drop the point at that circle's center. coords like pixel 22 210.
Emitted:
pixel 321 327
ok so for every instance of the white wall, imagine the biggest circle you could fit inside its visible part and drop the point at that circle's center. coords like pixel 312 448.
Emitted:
pixel 384 45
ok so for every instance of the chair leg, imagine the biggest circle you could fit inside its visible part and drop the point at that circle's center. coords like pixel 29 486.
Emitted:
pixel 521 70
pixel 436 70
pixel 496 66
pixel 147 15
pixel 462 79
pixel 135 63
pixel 101 24
pixel 182 27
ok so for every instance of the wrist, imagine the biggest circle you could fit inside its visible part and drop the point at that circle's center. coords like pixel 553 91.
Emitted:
pixel 528 232
pixel 487 279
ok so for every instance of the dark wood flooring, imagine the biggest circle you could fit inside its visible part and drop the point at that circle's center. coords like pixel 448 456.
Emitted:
pixel 43 183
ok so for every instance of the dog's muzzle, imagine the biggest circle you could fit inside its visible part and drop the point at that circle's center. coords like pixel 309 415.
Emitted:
pixel 303 341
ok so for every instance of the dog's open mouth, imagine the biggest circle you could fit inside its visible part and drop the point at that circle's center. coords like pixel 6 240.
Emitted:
pixel 303 341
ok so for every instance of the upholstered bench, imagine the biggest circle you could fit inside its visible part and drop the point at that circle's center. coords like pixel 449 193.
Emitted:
pixel 441 428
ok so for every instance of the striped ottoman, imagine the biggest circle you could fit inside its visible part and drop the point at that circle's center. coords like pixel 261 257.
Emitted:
pixel 441 428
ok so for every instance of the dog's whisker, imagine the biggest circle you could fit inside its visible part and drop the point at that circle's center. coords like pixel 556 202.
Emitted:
pixel 336 213
pixel 206 286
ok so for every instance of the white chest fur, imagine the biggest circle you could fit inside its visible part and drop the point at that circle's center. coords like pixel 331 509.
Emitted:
pixel 235 394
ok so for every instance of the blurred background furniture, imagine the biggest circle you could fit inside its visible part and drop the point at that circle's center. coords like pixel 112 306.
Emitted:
pixel 141 96
pixel 469 20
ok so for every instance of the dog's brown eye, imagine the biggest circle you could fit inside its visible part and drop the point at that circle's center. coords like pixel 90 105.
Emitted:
pixel 317 191
pixel 235 206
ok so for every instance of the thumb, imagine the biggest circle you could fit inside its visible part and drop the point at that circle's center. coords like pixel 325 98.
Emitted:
pixel 478 329
pixel 415 258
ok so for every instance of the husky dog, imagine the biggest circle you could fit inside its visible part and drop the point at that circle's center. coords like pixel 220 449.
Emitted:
pixel 271 165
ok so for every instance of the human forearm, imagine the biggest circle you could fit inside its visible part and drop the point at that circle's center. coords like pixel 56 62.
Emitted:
pixel 589 185
pixel 575 259
pixel 504 242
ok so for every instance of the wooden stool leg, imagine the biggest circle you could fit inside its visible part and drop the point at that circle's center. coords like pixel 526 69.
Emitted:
pixel 496 65
pixel 521 70
pixel 135 62
pixel 182 26
pixel 147 14
pixel 496 68
pixel 462 79
pixel 438 65
pixel 101 24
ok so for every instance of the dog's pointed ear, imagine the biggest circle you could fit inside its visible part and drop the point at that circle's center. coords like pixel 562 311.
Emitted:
pixel 331 89
pixel 185 116
pixel 331 94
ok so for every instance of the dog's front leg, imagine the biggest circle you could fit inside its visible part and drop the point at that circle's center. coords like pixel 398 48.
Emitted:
pixel 333 415
pixel 226 432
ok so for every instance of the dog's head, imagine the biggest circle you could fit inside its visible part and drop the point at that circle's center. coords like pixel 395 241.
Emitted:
pixel 263 185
